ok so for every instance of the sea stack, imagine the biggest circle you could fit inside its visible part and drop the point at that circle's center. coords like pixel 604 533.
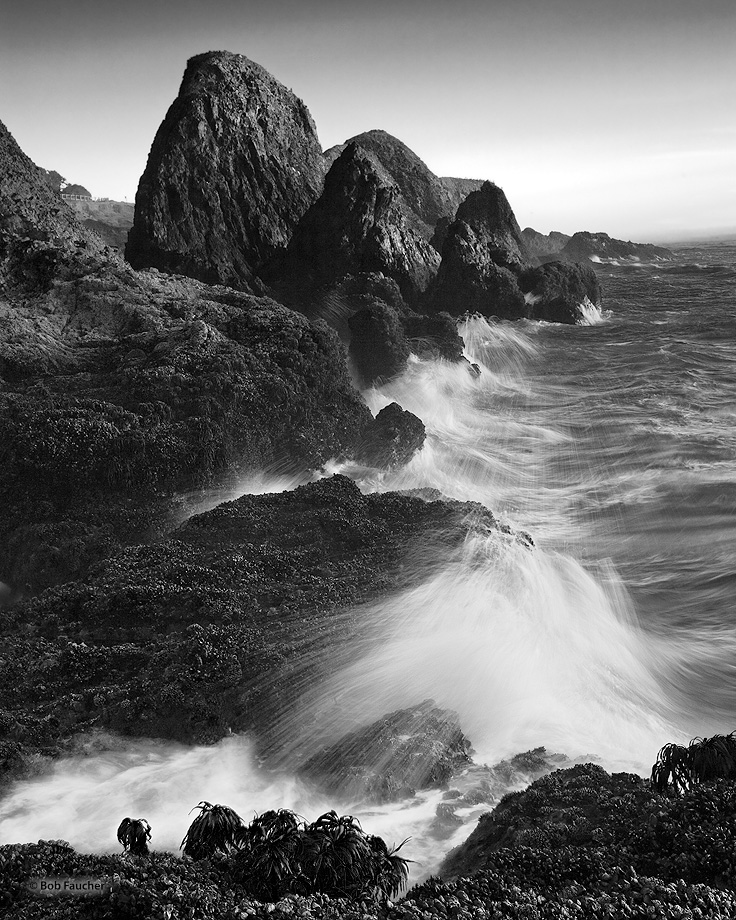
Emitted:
pixel 234 166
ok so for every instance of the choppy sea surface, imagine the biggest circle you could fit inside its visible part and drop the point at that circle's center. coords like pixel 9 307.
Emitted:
pixel 614 446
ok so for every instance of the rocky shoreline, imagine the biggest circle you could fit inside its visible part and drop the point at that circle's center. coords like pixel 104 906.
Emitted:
pixel 577 844
pixel 264 280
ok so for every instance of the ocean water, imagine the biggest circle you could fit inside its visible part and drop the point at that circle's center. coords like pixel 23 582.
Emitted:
pixel 614 446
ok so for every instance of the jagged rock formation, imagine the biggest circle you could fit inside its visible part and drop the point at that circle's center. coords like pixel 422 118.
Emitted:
pixel 192 635
pixel 40 238
pixel 486 269
pixel 392 439
pixel 600 247
pixel 424 197
pixel 357 226
pixel 234 166
pixel 556 290
pixel 119 388
pixel 393 757
pixel 481 255
pixel 540 244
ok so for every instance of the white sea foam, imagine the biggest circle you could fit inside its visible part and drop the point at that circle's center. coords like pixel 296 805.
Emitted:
pixel 528 645
pixel 592 314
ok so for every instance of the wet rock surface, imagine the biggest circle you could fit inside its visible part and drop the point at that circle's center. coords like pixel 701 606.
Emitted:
pixel 390 759
pixel 215 628
pixel 557 291
pixel 578 844
pixel 378 349
pixel 392 439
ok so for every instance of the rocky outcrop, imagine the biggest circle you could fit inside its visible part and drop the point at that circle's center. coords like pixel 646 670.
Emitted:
pixel 424 197
pixel 378 347
pixel 392 758
pixel 558 291
pixel 599 247
pixel 234 166
pixel 433 336
pixel 488 214
pixel 357 226
pixel 120 388
pixel 191 636
pixel 481 255
pixel 392 439
pixel 383 337
pixel 619 852
pixel 540 245
pixel 40 238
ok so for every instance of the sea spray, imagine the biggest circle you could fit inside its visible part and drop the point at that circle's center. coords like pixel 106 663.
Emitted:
pixel 84 798
pixel 526 646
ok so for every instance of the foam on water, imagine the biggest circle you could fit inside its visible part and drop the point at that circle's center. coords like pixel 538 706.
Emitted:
pixel 529 645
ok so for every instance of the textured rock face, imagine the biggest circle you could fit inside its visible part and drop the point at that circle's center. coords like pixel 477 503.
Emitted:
pixel 40 238
pixel 358 225
pixel 556 290
pixel 233 167
pixel 392 439
pixel 406 750
pixel 600 246
pixel 488 213
pixel 193 635
pixel 481 255
pixel 425 198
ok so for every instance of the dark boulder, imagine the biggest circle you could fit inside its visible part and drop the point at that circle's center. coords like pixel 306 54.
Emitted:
pixel 234 166
pixel 382 338
pixel 392 439
pixel 557 291
pixel 404 751
pixel 358 225
pixel 378 346
pixel 481 255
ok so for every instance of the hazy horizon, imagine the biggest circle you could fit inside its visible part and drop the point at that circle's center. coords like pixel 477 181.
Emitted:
pixel 589 117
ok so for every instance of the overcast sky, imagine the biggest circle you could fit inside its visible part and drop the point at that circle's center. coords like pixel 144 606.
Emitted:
pixel 614 115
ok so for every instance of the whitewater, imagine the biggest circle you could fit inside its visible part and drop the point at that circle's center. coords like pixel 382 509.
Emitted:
pixel 597 622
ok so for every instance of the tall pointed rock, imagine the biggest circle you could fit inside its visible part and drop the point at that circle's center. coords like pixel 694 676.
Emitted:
pixel 482 254
pixel 233 167
pixel 358 225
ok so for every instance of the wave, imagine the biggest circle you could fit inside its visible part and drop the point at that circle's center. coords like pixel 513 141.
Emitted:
pixel 700 268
